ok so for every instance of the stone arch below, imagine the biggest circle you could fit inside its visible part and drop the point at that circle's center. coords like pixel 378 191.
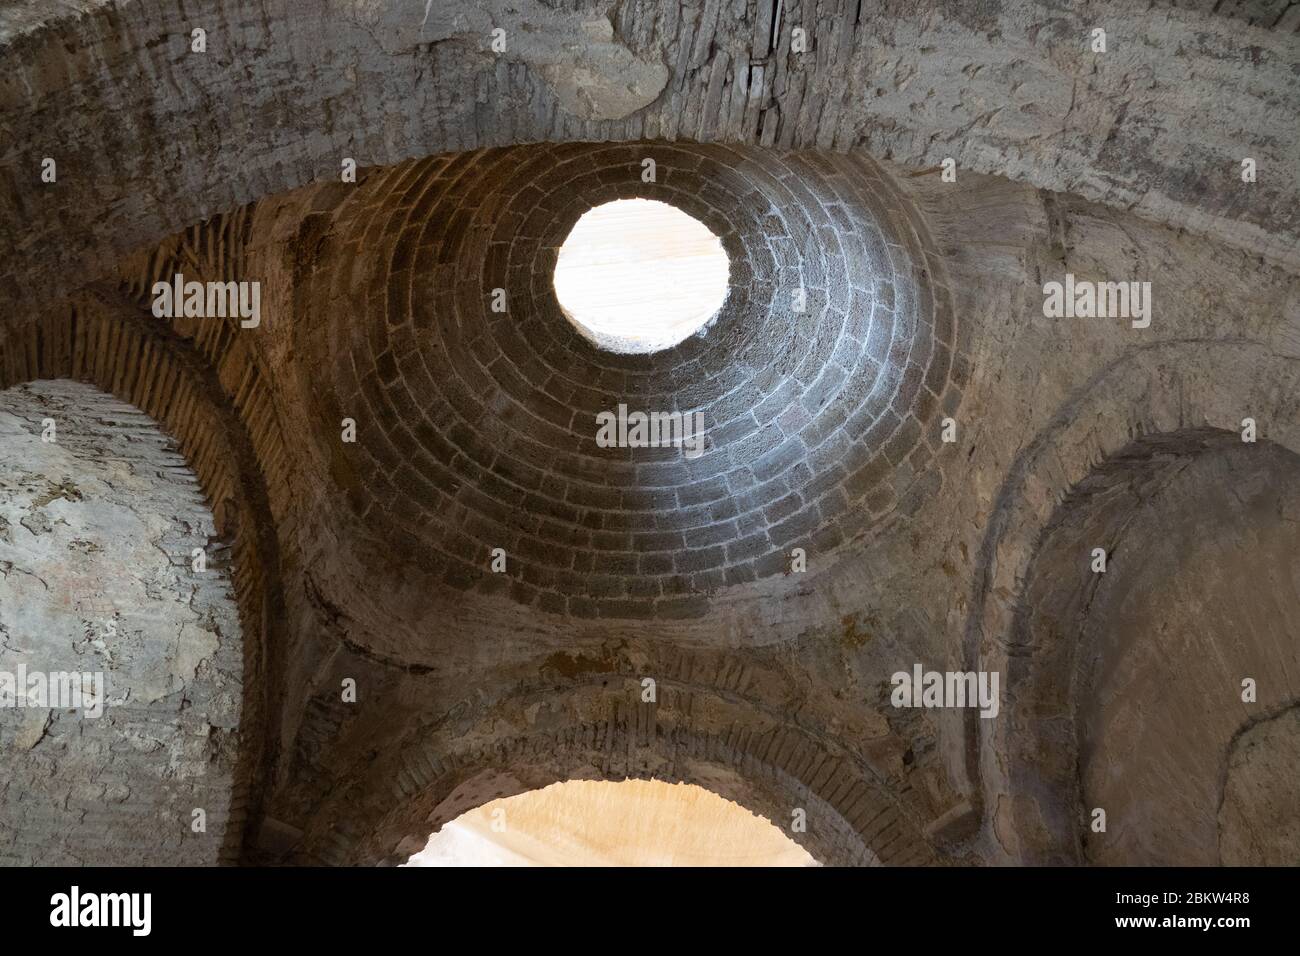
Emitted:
pixel 758 788
pixel 600 731
pixel 629 823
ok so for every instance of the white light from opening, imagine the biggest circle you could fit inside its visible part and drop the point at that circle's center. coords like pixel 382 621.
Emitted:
pixel 637 275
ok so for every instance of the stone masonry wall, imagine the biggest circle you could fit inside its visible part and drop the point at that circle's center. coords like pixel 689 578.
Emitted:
pixel 96 534
pixel 289 88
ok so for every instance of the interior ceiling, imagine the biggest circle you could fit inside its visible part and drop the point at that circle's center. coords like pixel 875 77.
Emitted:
pixel 370 561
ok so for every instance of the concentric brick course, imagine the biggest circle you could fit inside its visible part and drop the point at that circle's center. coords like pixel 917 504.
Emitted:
pixel 477 429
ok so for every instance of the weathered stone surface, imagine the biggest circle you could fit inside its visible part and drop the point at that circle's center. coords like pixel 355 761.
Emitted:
pixel 291 87
pixel 101 582
pixel 1257 821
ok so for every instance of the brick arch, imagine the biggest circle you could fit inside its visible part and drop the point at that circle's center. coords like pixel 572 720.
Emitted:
pixel 593 730
pixel 1169 399
pixel 101 341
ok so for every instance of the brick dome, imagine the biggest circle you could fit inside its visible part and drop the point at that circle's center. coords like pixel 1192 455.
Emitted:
pixel 817 422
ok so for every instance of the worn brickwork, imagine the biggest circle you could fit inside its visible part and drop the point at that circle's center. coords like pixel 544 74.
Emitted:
pixel 869 606
pixel 1008 88
pixel 489 441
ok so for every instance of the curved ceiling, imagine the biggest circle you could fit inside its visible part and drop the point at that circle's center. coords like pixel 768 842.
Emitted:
pixel 819 385
pixel 283 101
pixel 369 563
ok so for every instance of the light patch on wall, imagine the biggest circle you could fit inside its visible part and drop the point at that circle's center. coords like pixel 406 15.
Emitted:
pixel 637 275
pixel 601 823
pixel 97 532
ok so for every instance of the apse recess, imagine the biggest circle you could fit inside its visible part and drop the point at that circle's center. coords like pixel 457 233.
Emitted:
pixel 604 823
pixel 1203 592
